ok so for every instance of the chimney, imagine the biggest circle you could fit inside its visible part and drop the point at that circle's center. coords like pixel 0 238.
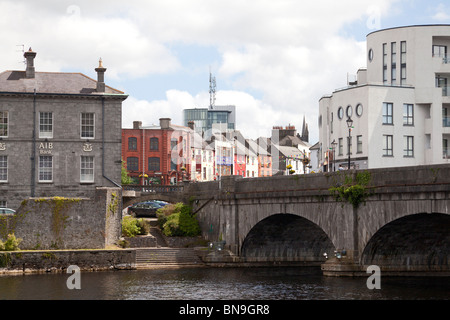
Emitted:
pixel 137 124
pixel 164 123
pixel 30 55
pixel 100 76
pixel 191 125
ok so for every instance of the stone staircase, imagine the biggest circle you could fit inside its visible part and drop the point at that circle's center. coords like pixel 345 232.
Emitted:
pixel 147 258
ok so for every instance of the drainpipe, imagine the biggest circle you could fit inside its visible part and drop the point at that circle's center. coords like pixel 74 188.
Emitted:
pixel 33 150
pixel 103 146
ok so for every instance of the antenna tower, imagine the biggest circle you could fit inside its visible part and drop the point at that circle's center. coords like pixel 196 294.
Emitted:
pixel 212 91
pixel 23 51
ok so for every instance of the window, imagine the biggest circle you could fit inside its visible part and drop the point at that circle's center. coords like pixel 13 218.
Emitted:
pixel 87 125
pixel 408 114
pixel 132 164
pixel 359 110
pixel 45 168
pixel 384 63
pixel 403 63
pixel 132 143
pixel 387 113
pixel 387 146
pixel 173 144
pixel 408 151
pixel 393 63
pixel 154 144
pixel 87 169
pixel 359 144
pixel 153 164
pixel 341 147
pixel 4 124
pixel 3 168
pixel 45 125
pixel 349 145
pixel 439 51
pixel 349 111
pixel 340 113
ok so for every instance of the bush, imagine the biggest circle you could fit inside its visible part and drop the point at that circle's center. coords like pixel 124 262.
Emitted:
pixel 11 243
pixel 144 226
pixel 177 220
pixel 130 227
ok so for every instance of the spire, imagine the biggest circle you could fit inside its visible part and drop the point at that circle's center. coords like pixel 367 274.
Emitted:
pixel 305 131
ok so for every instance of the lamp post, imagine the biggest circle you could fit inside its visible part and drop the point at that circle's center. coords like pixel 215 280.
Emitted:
pixel 349 125
pixel 334 143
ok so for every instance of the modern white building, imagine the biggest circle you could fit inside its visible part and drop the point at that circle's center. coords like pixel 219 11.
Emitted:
pixel 399 104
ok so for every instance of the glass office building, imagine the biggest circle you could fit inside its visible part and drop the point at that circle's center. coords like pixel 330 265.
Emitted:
pixel 205 118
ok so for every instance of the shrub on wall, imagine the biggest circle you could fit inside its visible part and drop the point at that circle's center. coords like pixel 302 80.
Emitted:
pixel 11 243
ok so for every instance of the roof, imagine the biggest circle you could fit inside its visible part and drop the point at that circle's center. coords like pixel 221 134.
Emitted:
pixel 51 82
pixel 294 141
pixel 290 152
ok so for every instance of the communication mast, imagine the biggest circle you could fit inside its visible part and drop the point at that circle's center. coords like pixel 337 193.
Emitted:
pixel 212 91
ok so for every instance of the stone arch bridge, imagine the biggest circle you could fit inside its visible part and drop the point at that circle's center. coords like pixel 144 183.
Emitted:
pixel 402 224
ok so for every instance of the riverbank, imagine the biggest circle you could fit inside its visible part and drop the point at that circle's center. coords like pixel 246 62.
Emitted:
pixel 45 261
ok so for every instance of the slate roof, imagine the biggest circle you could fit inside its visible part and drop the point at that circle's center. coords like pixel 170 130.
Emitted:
pixel 51 82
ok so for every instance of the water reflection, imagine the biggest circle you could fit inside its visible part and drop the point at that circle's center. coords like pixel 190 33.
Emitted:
pixel 218 284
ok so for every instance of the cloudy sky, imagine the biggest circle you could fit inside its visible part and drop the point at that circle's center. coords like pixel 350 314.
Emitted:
pixel 273 59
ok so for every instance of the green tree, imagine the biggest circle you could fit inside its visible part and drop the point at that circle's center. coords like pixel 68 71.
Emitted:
pixel 126 179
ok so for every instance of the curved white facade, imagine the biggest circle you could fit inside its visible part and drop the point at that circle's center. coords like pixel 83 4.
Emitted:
pixel 403 99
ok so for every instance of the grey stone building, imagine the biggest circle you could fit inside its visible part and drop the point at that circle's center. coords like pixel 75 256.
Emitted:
pixel 60 134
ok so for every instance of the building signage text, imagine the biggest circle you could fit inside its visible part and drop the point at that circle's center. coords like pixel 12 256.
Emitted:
pixel 45 148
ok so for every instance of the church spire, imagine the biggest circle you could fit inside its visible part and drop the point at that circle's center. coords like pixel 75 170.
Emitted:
pixel 305 131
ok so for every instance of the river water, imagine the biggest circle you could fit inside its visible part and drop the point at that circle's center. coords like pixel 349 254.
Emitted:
pixel 219 284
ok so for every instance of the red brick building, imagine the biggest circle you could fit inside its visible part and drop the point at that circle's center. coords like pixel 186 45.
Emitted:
pixel 157 154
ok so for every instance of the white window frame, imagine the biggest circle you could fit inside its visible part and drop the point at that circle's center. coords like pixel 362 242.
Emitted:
pixel 48 169
pixel 86 125
pixel 4 168
pixel 7 123
pixel 87 177
pixel 46 134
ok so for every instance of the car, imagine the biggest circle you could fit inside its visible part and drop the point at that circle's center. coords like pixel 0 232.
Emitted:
pixel 7 211
pixel 144 209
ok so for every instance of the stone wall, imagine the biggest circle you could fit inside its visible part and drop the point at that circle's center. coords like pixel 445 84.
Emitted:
pixel 67 223
pixel 59 261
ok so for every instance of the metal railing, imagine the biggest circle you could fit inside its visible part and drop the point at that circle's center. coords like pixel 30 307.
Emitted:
pixel 153 189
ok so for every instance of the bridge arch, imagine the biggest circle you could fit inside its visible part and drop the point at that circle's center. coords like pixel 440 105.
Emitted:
pixel 417 242
pixel 286 238
pixel 171 198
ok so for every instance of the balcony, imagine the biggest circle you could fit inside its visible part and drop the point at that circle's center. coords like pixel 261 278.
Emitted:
pixel 446 122
pixel 446 153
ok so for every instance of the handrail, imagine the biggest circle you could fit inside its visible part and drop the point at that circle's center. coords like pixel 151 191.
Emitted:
pixel 153 189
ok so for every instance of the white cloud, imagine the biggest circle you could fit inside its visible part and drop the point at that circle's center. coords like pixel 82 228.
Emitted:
pixel 442 13
pixel 289 51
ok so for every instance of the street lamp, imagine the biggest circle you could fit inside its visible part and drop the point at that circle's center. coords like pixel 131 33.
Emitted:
pixel 349 125
pixel 334 143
